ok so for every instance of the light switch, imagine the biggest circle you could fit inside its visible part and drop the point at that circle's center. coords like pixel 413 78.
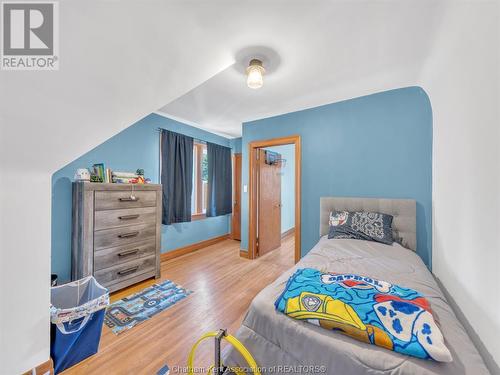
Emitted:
pixel 245 188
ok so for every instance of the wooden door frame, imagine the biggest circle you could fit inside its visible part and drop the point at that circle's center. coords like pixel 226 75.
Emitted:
pixel 252 190
pixel 233 157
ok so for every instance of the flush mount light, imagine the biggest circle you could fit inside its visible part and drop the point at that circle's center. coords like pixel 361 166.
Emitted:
pixel 255 73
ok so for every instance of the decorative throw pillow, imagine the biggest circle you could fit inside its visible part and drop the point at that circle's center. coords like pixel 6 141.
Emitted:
pixel 370 226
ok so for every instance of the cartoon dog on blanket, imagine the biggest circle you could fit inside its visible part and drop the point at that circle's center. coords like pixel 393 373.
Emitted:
pixel 334 314
pixel 366 309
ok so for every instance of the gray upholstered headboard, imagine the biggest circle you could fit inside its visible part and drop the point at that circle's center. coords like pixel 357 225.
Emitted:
pixel 404 224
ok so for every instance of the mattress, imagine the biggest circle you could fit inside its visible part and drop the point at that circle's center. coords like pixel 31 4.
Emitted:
pixel 281 344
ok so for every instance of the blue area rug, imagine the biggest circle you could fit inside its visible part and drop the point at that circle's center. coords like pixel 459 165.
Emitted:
pixel 133 310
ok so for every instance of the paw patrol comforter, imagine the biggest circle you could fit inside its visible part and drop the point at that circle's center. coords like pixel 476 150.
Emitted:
pixel 281 345
pixel 366 309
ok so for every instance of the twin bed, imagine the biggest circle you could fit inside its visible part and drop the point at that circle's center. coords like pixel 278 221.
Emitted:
pixel 284 345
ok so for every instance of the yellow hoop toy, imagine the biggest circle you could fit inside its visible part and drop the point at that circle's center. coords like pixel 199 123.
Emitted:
pixel 235 343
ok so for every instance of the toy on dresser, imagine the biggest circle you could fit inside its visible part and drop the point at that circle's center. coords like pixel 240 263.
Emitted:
pixel 98 173
pixel 130 178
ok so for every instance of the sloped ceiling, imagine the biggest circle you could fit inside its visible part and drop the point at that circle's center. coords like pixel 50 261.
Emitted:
pixel 316 53
pixel 121 60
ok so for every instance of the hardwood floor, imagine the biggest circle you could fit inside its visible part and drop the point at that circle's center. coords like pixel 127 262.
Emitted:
pixel 223 283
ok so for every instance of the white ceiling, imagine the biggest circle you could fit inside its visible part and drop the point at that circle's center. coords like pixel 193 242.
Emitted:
pixel 318 52
pixel 121 60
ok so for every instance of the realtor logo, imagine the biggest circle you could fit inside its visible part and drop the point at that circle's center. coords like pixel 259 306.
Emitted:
pixel 30 38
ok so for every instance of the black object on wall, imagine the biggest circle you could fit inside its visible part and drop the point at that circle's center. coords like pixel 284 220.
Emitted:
pixel 176 176
pixel 219 180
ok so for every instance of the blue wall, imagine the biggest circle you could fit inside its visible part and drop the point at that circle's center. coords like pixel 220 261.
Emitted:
pixel 235 144
pixel 135 147
pixel 287 152
pixel 374 146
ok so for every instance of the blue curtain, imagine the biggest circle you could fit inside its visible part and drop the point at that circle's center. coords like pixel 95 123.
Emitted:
pixel 219 180
pixel 176 176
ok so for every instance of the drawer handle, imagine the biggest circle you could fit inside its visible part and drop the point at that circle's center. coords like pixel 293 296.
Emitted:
pixel 128 217
pixel 132 198
pixel 127 253
pixel 127 271
pixel 127 235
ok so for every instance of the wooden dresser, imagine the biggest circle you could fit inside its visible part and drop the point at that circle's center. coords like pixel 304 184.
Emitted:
pixel 116 232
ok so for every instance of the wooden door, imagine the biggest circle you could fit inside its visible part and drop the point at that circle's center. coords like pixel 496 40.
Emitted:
pixel 269 205
pixel 236 218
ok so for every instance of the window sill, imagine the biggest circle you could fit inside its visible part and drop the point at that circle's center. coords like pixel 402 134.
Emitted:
pixel 195 217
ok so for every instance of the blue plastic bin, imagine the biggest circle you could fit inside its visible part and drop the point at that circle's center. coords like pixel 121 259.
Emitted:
pixel 77 314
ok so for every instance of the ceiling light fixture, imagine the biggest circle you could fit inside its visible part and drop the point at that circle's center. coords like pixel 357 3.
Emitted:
pixel 255 73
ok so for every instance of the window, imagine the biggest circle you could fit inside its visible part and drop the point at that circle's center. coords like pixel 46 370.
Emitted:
pixel 200 180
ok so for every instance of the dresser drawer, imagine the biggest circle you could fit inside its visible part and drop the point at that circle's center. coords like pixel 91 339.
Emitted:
pixel 125 271
pixel 123 235
pixel 111 200
pixel 122 254
pixel 116 232
pixel 128 216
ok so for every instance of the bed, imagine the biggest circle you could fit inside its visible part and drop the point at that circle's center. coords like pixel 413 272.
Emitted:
pixel 277 340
